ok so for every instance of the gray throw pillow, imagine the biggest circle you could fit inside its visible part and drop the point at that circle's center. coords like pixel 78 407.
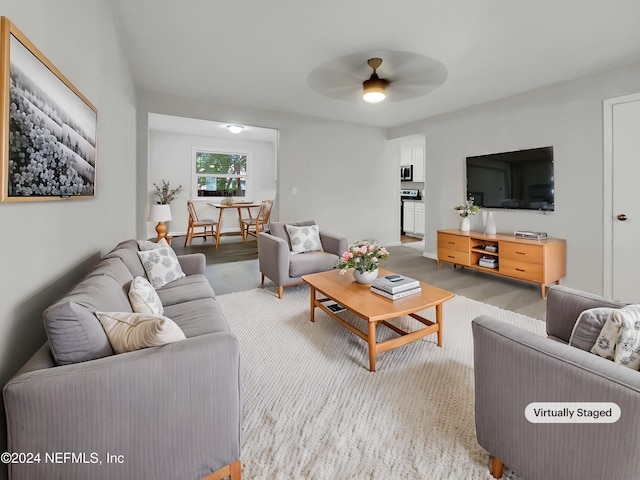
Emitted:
pixel 587 329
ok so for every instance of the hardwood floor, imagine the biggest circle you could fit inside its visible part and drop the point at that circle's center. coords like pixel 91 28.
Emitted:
pixel 234 267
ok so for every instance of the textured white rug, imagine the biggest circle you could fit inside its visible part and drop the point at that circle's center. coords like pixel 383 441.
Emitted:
pixel 312 409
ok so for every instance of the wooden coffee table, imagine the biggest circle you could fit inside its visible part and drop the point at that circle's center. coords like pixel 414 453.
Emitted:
pixel 374 308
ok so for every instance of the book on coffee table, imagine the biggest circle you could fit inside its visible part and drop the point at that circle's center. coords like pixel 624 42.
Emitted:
pixel 334 307
pixel 397 283
pixel 396 296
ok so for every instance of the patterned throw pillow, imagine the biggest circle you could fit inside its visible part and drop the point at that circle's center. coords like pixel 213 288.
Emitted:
pixel 144 298
pixel 162 266
pixel 588 327
pixel 133 331
pixel 145 245
pixel 304 239
pixel 619 339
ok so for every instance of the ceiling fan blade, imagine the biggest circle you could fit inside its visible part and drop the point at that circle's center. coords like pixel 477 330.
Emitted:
pixel 410 75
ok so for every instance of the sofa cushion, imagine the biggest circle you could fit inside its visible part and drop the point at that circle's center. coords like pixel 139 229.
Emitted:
pixel 162 266
pixel 304 239
pixel 128 332
pixel 74 333
pixel 144 298
pixel 127 251
pixel 198 317
pixel 311 262
pixel 185 289
pixel 587 329
pixel 279 229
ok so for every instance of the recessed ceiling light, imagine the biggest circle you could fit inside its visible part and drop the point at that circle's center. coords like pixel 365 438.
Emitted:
pixel 235 128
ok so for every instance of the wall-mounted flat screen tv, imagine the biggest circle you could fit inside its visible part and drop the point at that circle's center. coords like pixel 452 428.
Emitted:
pixel 519 180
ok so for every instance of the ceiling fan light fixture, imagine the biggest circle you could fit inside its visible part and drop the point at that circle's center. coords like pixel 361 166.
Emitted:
pixel 235 128
pixel 373 90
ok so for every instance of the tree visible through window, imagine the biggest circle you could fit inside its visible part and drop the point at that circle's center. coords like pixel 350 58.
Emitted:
pixel 220 174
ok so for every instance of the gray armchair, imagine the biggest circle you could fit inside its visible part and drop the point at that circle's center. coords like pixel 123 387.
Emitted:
pixel 514 368
pixel 284 269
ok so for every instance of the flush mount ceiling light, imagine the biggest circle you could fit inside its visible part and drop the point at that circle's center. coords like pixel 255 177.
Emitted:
pixel 235 128
pixel 374 89
pixel 402 76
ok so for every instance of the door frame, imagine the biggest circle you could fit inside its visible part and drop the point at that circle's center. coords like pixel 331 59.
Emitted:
pixel 607 183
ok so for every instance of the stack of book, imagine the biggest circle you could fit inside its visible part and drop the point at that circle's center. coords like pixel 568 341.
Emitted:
pixel 488 261
pixel 395 286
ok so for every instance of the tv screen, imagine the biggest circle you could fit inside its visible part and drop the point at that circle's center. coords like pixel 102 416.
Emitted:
pixel 519 180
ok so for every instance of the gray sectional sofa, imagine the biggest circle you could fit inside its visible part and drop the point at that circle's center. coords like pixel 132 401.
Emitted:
pixel 514 368
pixel 171 412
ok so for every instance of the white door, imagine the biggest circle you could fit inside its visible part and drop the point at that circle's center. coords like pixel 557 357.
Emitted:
pixel 625 202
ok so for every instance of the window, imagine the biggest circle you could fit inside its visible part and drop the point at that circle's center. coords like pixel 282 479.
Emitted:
pixel 218 174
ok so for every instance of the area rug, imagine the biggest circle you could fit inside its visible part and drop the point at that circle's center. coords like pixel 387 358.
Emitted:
pixel 312 409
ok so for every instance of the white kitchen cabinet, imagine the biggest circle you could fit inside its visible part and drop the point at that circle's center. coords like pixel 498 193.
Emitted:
pixel 417 160
pixel 414 156
pixel 413 217
pixel 409 216
pixel 419 218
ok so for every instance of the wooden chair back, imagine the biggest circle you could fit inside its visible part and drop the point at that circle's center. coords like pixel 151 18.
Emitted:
pixel 265 211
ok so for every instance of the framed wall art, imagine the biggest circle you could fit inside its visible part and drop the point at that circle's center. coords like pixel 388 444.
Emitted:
pixel 48 128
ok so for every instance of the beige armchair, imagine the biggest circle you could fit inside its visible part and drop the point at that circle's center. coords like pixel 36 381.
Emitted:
pixel 284 269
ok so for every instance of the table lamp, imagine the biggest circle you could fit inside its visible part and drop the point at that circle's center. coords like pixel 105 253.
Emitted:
pixel 160 214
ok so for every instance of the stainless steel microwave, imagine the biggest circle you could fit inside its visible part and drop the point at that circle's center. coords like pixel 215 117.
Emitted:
pixel 406 173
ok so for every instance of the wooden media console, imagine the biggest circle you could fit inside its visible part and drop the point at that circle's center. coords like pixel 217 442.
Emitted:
pixel 540 261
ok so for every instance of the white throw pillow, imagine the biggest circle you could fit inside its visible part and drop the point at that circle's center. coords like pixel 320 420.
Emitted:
pixel 133 331
pixel 144 298
pixel 619 339
pixel 162 266
pixel 304 239
pixel 145 245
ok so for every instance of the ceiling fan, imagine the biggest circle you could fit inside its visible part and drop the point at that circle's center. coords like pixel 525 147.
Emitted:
pixel 396 76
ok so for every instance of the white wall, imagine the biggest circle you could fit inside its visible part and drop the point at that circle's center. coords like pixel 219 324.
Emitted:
pixel 47 246
pixel 171 157
pixel 343 173
pixel 567 116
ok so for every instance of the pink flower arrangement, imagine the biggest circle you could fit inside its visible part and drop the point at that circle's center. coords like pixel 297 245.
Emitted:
pixel 363 257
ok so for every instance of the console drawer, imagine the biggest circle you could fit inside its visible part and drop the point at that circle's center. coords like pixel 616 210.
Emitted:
pixel 521 252
pixel 453 256
pixel 519 269
pixel 453 242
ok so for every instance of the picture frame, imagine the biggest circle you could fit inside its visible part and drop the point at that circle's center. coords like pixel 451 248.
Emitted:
pixel 48 129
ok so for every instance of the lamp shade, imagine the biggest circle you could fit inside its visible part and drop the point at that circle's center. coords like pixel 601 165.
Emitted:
pixel 373 90
pixel 160 213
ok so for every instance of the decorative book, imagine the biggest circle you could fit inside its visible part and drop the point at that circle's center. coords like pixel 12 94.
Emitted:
pixel 386 285
pixel 396 296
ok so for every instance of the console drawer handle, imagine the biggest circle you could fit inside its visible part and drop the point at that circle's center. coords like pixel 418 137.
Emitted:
pixel 520 270
pixel 451 256
pixel 521 253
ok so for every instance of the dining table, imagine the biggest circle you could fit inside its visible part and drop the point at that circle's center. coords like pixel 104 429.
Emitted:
pixel 239 206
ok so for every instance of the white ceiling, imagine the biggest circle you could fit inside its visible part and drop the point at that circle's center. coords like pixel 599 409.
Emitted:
pixel 259 53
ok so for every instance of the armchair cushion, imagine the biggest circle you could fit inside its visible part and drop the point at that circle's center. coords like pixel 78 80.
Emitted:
pixel 311 262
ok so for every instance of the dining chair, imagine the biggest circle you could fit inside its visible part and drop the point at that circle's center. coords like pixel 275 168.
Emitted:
pixel 209 226
pixel 253 226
